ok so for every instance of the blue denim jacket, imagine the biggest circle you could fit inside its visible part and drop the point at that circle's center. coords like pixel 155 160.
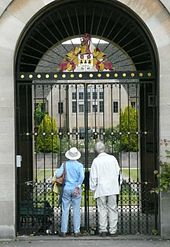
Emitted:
pixel 74 174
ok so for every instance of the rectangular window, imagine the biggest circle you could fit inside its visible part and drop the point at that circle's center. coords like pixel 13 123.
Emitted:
pixel 115 106
pixel 101 95
pixel 74 106
pixel 94 95
pixel 81 95
pixel 74 95
pixel 60 107
pixel 88 95
pixel 81 108
pixel 101 106
pixel 94 108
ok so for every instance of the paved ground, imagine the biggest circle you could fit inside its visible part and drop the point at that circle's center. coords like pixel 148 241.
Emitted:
pixel 128 241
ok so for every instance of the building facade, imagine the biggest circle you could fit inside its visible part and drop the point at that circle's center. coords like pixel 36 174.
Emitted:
pixel 22 24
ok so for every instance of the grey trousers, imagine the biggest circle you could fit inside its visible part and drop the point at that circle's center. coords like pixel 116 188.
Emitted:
pixel 108 213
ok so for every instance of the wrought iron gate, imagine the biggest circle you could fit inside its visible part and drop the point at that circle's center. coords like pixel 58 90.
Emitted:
pixel 116 104
pixel 59 110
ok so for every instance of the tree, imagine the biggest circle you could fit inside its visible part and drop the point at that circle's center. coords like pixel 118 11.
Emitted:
pixel 47 140
pixel 128 127
pixel 123 137
pixel 38 114
pixel 112 139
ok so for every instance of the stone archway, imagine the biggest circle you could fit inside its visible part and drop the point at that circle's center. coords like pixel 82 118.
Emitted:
pixel 37 59
pixel 16 19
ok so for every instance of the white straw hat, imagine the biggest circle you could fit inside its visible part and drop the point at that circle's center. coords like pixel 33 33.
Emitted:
pixel 73 154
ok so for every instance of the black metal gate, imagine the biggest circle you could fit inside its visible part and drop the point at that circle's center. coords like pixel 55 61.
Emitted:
pixel 57 110
pixel 54 115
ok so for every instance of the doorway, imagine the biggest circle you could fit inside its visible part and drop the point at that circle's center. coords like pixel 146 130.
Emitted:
pixel 58 108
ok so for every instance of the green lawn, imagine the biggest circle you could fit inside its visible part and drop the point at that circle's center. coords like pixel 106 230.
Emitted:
pixel 127 196
pixel 41 174
pixel 133 173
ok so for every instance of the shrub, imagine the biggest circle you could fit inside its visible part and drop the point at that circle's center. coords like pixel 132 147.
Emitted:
pixel 47 139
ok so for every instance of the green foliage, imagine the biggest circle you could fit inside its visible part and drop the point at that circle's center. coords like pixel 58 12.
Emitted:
pixel 127 140
pixel 112 140
pixel 164 175
pixel 38 114
pixel 164 178
pixel 47 142
pixel 129 122
pixel 128 196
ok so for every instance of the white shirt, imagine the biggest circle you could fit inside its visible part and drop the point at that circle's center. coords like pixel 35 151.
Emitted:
pixel 104 175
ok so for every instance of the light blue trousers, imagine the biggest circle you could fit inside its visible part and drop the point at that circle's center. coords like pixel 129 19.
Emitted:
pixel 69 200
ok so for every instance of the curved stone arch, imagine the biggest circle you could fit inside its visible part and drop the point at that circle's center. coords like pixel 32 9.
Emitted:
pixel 32 27
pixel 12 22
pixel 5 4
pixel 138 30
pixel 24 11
pixel 18 14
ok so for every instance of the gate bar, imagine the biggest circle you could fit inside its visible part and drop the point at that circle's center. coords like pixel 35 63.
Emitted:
pixel 106 75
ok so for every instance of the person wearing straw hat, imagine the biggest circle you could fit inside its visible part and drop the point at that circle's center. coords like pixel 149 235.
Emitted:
pixel 71 193
pixel 104 182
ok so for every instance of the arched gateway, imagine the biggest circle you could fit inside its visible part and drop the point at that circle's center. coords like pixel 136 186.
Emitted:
pixel 86 71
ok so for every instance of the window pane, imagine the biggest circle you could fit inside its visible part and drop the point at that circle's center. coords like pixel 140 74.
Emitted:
pixel 88 95
pixel 115 106
pixel 74 106
pixel 94 108
pixel 101 106
pixel 101 95
pixel 74 95
pixel 81 95
pixel 60 107
pixel 94 95
pixel 81 108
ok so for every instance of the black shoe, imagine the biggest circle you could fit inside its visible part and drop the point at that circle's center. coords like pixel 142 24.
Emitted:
pixel 103 234
pixel 62 234
pixel 113 234
pixel 77 234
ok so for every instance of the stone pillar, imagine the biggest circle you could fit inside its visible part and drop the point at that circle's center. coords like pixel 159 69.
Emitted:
pixel 165 215
pixel 7 142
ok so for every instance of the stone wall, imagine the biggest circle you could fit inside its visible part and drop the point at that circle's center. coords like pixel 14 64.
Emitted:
pixel 13 20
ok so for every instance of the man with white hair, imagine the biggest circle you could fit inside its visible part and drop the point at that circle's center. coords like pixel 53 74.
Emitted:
pixel 104 182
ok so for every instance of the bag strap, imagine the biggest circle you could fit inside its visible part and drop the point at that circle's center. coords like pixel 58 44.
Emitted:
pixel 64 166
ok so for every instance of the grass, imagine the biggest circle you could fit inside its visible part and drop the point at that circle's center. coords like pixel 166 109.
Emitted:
pixel 132 173
pixel 41 174
pixel 127 197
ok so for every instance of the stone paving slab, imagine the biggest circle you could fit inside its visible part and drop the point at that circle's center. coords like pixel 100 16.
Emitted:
pixel 50 241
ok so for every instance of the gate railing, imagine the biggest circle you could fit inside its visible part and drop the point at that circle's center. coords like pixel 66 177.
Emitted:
pixel 40 211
